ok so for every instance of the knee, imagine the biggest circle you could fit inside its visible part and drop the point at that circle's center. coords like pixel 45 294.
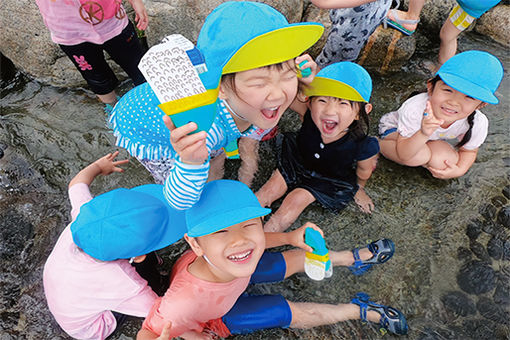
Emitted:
pixel 441 151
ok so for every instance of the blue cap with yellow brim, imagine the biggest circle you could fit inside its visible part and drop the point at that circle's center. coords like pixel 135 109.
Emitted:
pixel 243 35
pixel 344 80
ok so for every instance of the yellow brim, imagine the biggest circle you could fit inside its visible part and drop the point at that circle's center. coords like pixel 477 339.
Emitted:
pixel 274 47
pixel 188 103
pixel 332 88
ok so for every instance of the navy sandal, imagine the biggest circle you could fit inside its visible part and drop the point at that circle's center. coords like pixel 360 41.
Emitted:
pixel 382 250
pixel 391 319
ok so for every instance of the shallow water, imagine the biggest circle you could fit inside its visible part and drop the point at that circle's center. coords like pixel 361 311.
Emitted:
pixel 444 277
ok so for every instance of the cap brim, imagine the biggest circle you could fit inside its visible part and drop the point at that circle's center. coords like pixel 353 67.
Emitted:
pixel 175 228
pixel 274 47
pixel 332 88
pixel 227 219
pixel 468 88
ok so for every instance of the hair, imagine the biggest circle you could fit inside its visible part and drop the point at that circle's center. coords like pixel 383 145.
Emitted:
pixel 229 79
pixel 470 118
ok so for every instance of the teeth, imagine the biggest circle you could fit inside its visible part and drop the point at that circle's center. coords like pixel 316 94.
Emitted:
pixel 240 256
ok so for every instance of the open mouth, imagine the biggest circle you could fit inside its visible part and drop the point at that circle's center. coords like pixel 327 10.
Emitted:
pixel 270 113
pixel 241 257
pixel 328 125
pixel 448 111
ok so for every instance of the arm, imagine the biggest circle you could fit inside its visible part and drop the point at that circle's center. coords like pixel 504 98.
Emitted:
pixel 103 166
pixel 466 160
pixel 295 238
pixel 145 334
pixel 141 18
pixel 364 170
pixel 331 4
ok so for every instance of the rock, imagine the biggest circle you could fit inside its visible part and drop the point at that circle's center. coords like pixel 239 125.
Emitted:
pixel 494 24
pixel 489 310
pixel 16 231
pixel 495 248
pixel 476 277
pixel 502 292
pixel 492 228
pixel 504 217
pixel 473 229
pixel 387 50
pixel 313 13
pixel 506 250
pixel 498 201
pixel 458 303
pixel 479 250
pixel 433 15
pixel 479 329
pixel 464 254
pixel 488 211
pixel 506 191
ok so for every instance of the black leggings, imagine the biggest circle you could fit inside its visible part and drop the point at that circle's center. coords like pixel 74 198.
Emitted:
pixel 125 49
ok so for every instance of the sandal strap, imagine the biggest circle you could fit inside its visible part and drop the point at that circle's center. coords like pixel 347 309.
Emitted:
pixel 399 21
pixel 357 260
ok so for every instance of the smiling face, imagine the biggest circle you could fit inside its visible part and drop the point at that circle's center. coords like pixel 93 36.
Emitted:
pixel 450 105
pixel 233 252
pixel 333 116
pixel 260 95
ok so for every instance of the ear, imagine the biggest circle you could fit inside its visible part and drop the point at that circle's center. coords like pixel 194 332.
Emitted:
pixel 482 105
pixel 192 241
pixel 222 94
pixel 138 259
pixel 368 108
pixel 430 88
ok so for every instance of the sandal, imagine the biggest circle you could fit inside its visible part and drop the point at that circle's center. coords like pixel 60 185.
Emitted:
pixel 398 23
pixel 391 319
pixel 382 250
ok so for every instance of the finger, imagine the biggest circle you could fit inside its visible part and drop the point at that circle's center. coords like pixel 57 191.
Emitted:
pixel 168 123
pixel 165 333
pixel 115 154
pixel 183 131
pixel 186 141
pixel 192 148
pixel 314 226
pixel 118 169
pixel 124 161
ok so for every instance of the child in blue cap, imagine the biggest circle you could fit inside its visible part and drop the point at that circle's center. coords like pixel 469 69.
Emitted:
pixel 332 157
pixel 227 253
pixel 252 48
pixel 417 133
pixel 89 283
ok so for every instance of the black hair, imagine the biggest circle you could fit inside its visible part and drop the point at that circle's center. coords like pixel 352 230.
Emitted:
pixel 359 127
pixel 470 118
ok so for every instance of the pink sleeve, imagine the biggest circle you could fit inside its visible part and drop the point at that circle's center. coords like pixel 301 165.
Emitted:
pixel 79 194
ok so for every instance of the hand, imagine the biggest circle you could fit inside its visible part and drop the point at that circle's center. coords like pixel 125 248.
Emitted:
pixel 310 63
pixel 429 123
pixel 107 164
pixel 450 171
pixel 165 333
pixel 363 201
pixel 141 17
pixel 191 148
pixel 297 237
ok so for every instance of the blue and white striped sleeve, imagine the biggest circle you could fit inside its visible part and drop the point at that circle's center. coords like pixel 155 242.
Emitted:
pixel 185 182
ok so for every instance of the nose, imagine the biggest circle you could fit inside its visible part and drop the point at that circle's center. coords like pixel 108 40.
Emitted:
pixel 276 93
pixel 237 237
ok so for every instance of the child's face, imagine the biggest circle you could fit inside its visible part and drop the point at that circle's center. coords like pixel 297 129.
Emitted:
pixel 262 95
pixel 234 251
pixel 449 104
pixel 332 116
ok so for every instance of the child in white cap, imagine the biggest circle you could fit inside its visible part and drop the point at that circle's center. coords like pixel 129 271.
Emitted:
pixel 251 52
pixel 89 282
pixel 332 156
pixel 417 133
pixel 227 253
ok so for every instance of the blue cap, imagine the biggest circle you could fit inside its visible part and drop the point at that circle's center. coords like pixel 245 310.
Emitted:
pixel 344 80
pixel 243 35
pixel 223 203
pixel 474 73
pixel 124 223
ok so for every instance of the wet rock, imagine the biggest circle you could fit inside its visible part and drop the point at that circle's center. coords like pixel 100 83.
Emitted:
pixel 489 310
pixel 453 332
pixel 506 250
pixel 473 229
pixel 488 211
pixel 506 191
pixel 479 329
pixel 498 201
pixel 504 217
pixel 15 232
pixel 502 292
pixel 492 228
pixel 476 277
pixel 495 248
pixel 458 303
pixel 494 24
pixel 479 250
pixel 464 254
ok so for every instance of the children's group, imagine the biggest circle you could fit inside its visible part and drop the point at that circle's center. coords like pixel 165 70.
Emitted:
pixel 105 266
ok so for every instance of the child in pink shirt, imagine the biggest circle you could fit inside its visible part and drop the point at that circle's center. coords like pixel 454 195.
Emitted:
pixel 88 280
pixel 84 29
pixel 228 244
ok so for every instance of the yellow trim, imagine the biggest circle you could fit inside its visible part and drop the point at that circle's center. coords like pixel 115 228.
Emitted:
pixel 321 258
pixel 274 47
pixel 332 88
pixel 231 153
pixel 191 102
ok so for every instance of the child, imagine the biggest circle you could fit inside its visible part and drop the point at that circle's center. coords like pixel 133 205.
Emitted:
pixel 352 23
pixel 89 282
pixel 253 48
pixel 331 158
pixel 227 253
pixel 416 134
pixel 405 22
pixel 84 29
